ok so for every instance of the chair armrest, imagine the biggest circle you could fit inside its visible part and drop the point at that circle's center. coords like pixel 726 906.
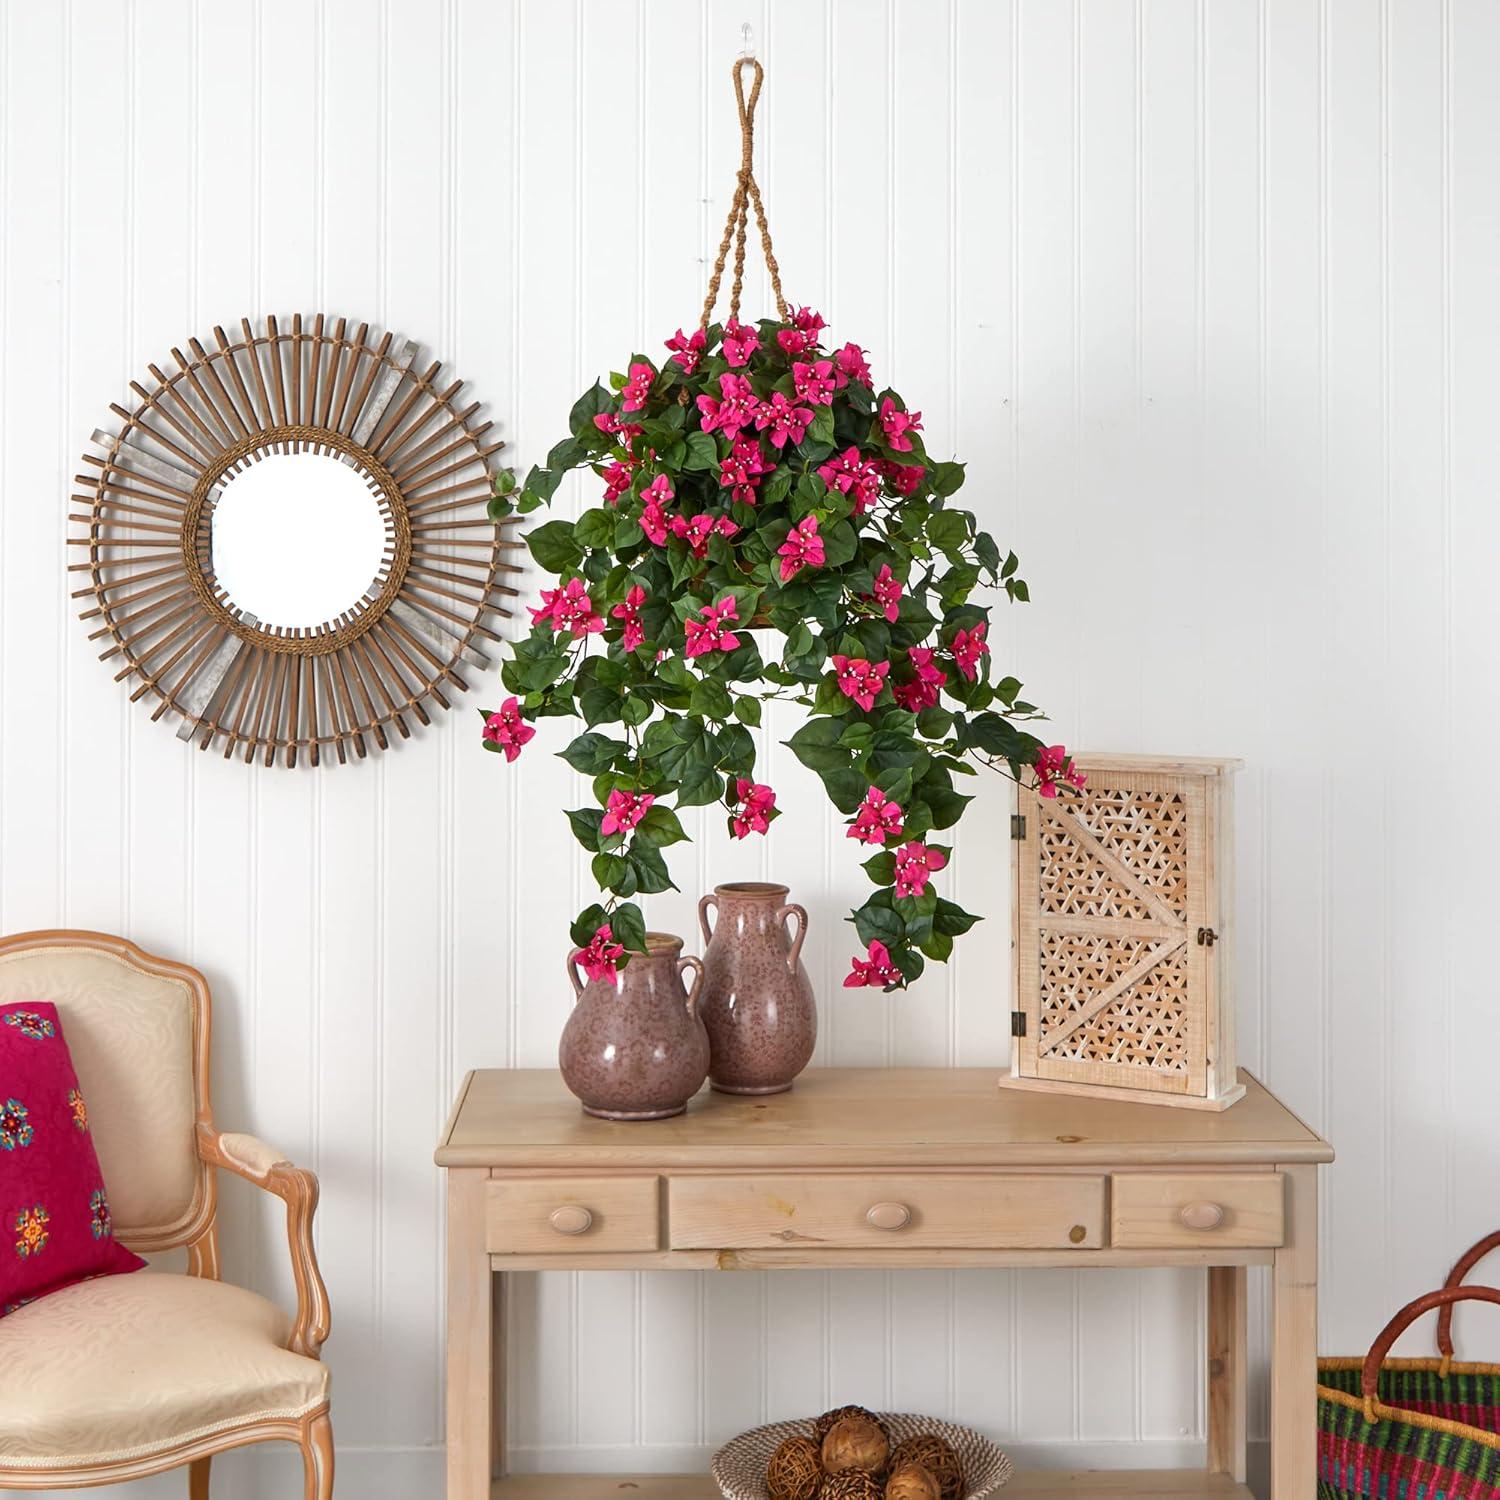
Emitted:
pixel 267 1168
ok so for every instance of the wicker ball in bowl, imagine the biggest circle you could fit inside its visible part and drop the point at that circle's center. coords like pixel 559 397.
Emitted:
pixel 739 1467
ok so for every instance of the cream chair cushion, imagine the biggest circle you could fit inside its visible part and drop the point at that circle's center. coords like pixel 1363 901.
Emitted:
pixel 131 1037
pixel 128 1366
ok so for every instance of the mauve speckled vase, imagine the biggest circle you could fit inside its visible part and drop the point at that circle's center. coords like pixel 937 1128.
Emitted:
pixel 757 999
pixel 634 1047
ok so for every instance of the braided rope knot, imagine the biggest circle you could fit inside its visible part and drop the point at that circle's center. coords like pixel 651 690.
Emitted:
pixel 746 196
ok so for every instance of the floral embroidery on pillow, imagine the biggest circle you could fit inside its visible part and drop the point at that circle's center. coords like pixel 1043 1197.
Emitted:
pixel 29 1023
pixel 99 1213
pixel 31 1225
pixel 79 1108
pixel 15 1125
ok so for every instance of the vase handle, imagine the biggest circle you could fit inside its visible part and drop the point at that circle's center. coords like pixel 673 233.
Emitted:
pixel 792 909
pixel 573 974
pixel 687 961
pixel 703 906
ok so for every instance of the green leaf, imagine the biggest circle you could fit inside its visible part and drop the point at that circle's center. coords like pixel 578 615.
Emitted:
pixel 554 546
pixel 952 919
pixel 615 873
pixel 636 709
pixel 946 477
pixel 700 785
pixel 662 826
pixel 881 868
pixel 846 789
pixel 947 805
pixel 585 822
pixel 595 528
pixel 542 483
pixel 947 529
pixel 702 452
pixel 878 924
pixel 816 745
pixel 711 700
pixel 592 753
pixel 650 868
pixel 586 924
pixel 747 711
pixel 586 408
pixel 934 722
pixel 567 454
pixel 629 927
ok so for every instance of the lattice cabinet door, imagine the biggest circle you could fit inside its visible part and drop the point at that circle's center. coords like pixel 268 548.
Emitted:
pixel 1122 934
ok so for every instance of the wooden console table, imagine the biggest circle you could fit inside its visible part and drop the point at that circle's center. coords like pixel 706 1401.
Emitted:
pixel 918 1168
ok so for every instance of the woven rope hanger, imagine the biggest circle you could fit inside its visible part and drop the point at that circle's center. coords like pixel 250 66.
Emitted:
pixel 746 194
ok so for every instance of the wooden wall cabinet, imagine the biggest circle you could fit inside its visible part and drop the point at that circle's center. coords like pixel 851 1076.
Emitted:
pixel 1122 953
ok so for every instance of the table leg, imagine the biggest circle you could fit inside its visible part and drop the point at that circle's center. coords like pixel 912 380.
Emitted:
pixel 1228 1330
pixel 471 1435
pixel 1294 1353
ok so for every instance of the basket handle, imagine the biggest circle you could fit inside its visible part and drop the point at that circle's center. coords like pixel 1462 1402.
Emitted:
pixel 1398 1325
pixel 1461 1269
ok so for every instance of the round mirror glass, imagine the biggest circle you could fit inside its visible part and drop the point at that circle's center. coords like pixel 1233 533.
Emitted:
pixel 297 538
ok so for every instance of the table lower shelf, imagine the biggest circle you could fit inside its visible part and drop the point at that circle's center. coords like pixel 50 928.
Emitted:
pixel 1123 1484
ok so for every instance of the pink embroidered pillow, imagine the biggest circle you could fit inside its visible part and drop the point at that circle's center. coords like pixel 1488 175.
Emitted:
pixel 55 1226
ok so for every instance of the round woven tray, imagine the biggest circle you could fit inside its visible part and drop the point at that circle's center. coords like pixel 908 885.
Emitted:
pixel 739 1467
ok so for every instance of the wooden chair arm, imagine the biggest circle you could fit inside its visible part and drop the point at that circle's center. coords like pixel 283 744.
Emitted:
pixel 267 1168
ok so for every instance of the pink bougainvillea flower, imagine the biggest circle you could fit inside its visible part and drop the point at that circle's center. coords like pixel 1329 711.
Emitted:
pixel 740 342
pixel 654 523
pixel 887 593
pixel 787 421
pixel 876 819
pixel 737 409
pixel 897 424
pixel 905 479
pixel 1053 766
pixel 506 728
pixel 754 804
pixel 600 958
pixel 915 866
pixel 637 386
pixel 808 321
pixel 814 382
pixel 922 691
pixel 859 679
pixel 624 810
pixel 617 477
pixel 569 608
pixel 708 633
pixel 660 490
pixel 688 351
pixel 849 364
pixel 630 612
pixel 697 531
pixel 607 421
pixel 857 477
pixel 795 341
pixel 877 969
pixel 803 548
pixel 968 647
pixel 744 469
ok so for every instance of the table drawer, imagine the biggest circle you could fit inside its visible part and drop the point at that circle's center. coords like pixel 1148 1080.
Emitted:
pixel 564 1215
pixel 1149 1212
pixel 880 1211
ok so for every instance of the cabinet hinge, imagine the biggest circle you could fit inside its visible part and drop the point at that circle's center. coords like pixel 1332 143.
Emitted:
pixel 1018 1023
pixel 1017 826
pixel 1207 937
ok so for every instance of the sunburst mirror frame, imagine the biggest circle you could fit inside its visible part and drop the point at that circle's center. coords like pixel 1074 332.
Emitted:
pixel 151 491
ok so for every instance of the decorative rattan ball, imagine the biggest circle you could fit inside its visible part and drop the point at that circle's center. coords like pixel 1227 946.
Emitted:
pixel 823 1423
pixel 937 1457
pixel 856 1443
pixel 852 1484
pixel 794 1472
pixel 912 1482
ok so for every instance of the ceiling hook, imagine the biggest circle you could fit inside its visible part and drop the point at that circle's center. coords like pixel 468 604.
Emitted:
pixel 747 41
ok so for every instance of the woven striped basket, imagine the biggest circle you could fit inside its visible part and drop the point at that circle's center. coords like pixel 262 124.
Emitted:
pixel 1412 1429
pixel 739 1467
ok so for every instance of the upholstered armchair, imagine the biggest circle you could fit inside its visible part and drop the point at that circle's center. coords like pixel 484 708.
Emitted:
pixel 129 1375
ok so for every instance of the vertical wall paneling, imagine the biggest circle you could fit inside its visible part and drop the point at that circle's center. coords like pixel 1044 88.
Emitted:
pixel 1204 295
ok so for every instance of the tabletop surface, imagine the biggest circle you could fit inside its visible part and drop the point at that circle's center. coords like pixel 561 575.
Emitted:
pixel 865 1117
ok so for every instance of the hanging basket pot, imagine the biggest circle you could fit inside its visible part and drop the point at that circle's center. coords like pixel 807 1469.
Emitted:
pixel 771 526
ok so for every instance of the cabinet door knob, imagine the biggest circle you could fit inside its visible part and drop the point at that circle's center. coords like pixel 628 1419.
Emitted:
pixel 571 1218
pixel 889 1216
pixel 1202 1215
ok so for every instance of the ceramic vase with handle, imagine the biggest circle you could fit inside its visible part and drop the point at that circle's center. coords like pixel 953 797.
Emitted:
pixel 634 1047
pixel 757 999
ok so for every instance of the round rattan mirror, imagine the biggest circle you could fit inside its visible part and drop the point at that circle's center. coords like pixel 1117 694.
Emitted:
pixel 287 541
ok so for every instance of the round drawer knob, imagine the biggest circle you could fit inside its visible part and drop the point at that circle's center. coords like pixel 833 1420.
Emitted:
pixel 889 1216
pixel 1202 1215
pixel 571 1218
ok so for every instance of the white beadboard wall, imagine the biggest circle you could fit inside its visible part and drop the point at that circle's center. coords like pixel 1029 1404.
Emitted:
pixel 1206 295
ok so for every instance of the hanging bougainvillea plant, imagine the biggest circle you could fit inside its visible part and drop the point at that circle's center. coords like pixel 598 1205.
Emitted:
pixel 770 526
